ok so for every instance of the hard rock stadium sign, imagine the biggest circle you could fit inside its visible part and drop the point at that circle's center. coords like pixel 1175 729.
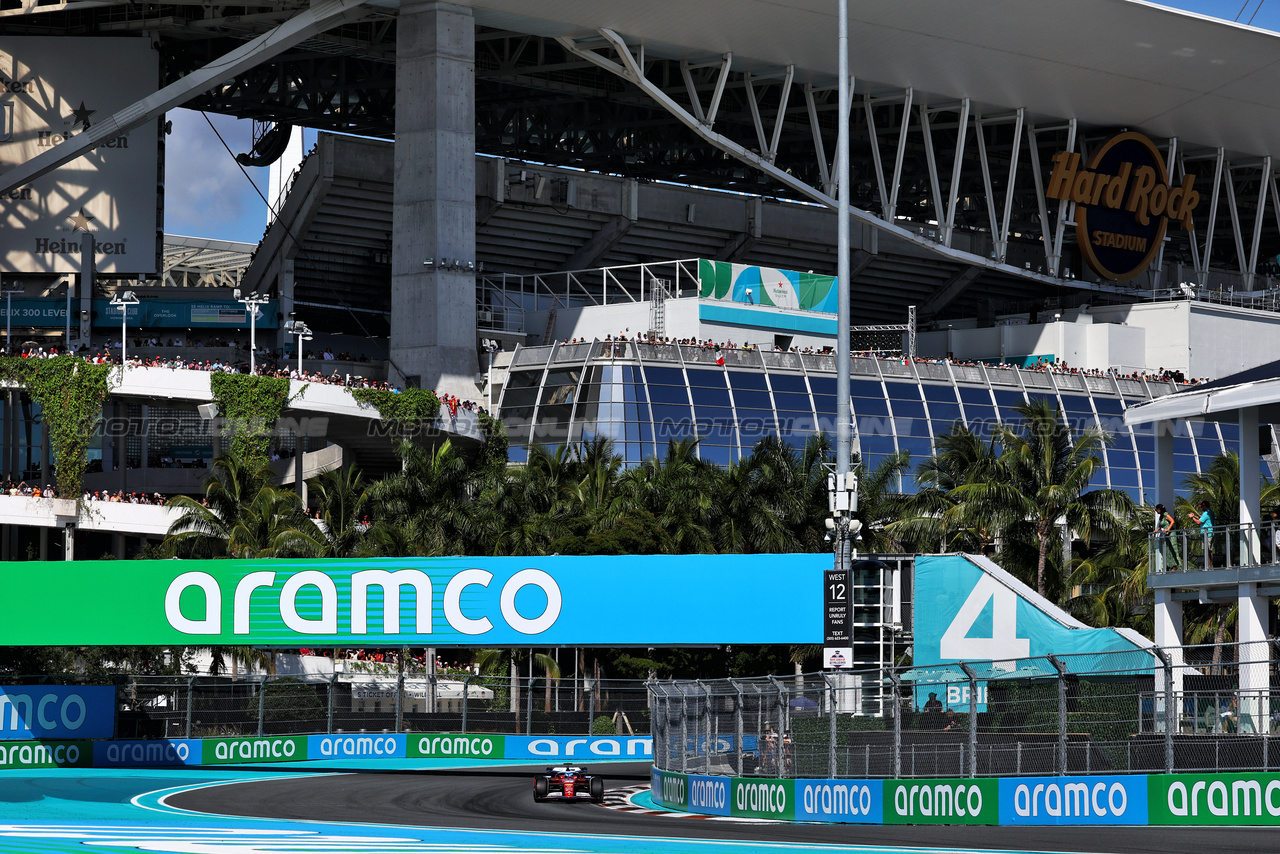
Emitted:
pixel 1124 202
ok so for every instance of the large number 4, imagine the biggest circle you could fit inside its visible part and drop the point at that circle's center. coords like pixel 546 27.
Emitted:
pixel 1003 643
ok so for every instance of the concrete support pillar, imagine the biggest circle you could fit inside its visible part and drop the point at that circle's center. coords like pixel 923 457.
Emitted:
pixel 1168 631
pixel 44 544
pixel 1162 490
pixel 46 454
pixel 1255 682
pixel 69 542
pixel 286 286
pixel 122 445
pixel 1250 488
pixel 117 546
pixel 433 292
pixel 299 467
pixel 146 438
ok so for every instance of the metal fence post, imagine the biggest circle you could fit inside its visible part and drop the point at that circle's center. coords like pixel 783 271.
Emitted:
pixel 400 701
pixel 466 693
pixel 591 705
pixel 1062 713
pixel 1170 710
pixel 782 726
pixel 262 704
pixel 737 725
pixel 713 733
pixel 333 690
pixel 831 720
pixel 191 696
pixel 896 706
pixel 973 718
pixel 684 731
pixel 528 707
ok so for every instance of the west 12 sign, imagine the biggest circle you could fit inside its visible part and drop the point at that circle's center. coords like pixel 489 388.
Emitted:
pixel 1123 203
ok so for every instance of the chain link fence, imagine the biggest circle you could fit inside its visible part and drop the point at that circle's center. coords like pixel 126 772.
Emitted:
pixel 209 706
pixel 1209 708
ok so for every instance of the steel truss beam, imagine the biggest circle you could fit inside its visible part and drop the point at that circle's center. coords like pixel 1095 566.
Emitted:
pixel 320 17
pixel 630 67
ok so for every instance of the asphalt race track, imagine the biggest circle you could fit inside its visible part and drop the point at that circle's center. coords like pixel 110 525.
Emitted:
pixel 501 799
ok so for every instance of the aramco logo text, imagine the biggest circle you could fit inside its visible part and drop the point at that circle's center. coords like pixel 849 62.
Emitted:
pixel 1123 203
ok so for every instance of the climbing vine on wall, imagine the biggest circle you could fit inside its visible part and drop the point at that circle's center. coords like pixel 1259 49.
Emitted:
pixel 249 406
pixel 70 392
pixel 408 411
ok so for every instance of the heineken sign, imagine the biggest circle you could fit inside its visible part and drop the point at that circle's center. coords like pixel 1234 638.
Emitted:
pixel 1124 203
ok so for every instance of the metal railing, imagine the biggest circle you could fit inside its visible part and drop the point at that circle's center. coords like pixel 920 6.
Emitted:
pixel 1129 711
pixel 209 706
pixel 1219 547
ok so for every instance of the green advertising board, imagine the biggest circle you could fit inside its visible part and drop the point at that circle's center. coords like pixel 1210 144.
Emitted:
pixel 1199 799
pixel 235 751
pixel 973 801
pixel 452 746
pixel 462 601
pixel 754 797
pixel 46 754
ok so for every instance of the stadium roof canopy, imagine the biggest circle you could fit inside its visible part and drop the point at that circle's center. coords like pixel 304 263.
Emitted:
pixel 1106 62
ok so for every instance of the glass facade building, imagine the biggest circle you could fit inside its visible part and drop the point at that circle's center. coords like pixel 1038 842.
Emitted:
pixel 641 396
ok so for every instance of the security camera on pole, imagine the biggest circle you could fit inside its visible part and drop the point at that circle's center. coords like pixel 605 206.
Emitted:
pixel 300 329
pixel 251 303
pixel 123 301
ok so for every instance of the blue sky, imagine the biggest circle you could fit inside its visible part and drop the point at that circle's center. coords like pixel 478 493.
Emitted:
pixel 208 196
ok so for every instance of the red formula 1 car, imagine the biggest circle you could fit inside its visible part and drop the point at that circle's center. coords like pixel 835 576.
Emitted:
pixel 568 783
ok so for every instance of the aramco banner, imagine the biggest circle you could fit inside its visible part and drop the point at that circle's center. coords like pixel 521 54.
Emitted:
pixel 1124 203
pixel 721 280
pixel 652 600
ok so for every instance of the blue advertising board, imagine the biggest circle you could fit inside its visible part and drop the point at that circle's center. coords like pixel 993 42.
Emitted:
pixel 580 749
pixel 56 711
pixel 184 314
pixel 151 753
pixel 708 795
pixel 846 801
pixel 1073 800
pixel 36 311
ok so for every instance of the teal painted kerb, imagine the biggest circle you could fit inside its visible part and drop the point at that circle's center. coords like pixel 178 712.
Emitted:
pixel 765 319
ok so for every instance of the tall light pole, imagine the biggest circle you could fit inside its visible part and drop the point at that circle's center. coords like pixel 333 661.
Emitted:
pixel 251 304
pixel 490 347
pixel 8 319
pixel 300 329
pixel 122 301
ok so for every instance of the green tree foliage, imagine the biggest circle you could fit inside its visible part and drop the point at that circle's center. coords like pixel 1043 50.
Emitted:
pixel 242 515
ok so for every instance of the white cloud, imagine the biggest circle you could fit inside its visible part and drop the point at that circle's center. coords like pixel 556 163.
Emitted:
pixel 206 194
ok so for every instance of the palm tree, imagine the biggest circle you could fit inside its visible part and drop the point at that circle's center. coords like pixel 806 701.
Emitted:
pixel 879 500
pixel 1040 483
pixel 242 515
pixel 678 490
pixel 494 662
pixel 929 517
pixel 427 509
pixel 1112 581
pixel 342 500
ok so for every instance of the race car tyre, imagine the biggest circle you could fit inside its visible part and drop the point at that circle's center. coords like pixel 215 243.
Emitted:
pixel 597 789
pixel 540 788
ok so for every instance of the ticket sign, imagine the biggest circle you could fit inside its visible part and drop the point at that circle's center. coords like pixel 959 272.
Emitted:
pixel 1124 203
pixel 837 639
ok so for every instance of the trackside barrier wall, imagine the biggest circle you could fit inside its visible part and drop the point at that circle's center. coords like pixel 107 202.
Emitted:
pixel 1136 799
pixel 159 753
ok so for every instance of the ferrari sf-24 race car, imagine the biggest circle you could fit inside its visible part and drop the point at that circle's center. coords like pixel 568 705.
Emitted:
pixel 568 783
